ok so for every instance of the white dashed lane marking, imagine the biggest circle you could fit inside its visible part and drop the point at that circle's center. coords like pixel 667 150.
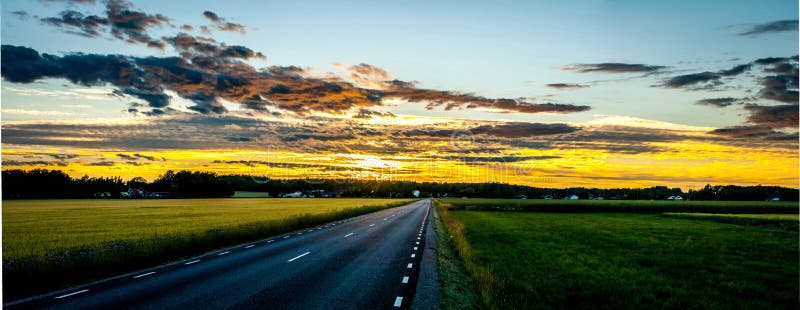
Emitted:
pixel 144 274
pixel 192 262
pixel 70 294
pixel 298 256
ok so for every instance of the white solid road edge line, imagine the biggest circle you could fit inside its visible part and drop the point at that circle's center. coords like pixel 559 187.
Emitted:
pixel 144 275
pixel 348 235
pixel 192 262
pixel 298 256
pixel 398 302
pixel 73 293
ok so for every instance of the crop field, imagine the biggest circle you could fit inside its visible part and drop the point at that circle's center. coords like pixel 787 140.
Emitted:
pixel 78 240
pixel 626 260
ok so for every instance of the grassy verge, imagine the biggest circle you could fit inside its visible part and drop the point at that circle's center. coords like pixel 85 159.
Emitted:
pixel 782 221
pixel 624 260
pixel 61 267
pixel 628 206
pixel 458 289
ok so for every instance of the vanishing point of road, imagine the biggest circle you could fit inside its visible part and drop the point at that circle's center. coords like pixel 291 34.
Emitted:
pixel 368 262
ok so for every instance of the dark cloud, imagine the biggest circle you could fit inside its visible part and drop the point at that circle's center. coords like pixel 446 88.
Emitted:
pixel 771 27
pixel 760 132
pixel 76 23
pixel 132 26
pixel 239 139
pixel 780 116
pixel 33 163
pixel 222 24
pixel 285 165
pixel 21 14
pixel 136 156
pixel 566 85
pixel 736 70
pixel 367 114
pixel 492 159
pixel 718 102
pixel 450 100
pixel 520 130
pixel 102 163
pixel 613 67
pixel 203 50
pixel 123 22
pixel 691 79
pixel 208 72
pixel 782 87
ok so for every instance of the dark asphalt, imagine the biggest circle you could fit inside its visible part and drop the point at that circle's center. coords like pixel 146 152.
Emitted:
pixel 359 263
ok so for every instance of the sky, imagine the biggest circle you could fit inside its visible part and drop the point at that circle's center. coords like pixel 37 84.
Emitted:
pixel 539 93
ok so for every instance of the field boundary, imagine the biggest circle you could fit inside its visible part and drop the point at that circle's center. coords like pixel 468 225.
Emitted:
pixel 459 290
pixel 483 279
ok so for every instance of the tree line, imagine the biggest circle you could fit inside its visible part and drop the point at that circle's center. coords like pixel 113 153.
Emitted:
pixel 43 183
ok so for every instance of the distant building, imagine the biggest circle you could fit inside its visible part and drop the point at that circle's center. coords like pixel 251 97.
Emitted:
pixel 415 193
pixel 775 199
pixel 547 197
pixel 674 198
pixel 293 195
pixel 574 197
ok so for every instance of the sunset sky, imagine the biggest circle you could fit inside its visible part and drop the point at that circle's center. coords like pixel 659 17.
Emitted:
pixel 539 93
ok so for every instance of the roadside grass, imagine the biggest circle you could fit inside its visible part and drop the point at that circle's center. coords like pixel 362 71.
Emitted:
pixel 458 288
pixel 628 206
pixel 529 260
pixel 52 244
pixel 782 221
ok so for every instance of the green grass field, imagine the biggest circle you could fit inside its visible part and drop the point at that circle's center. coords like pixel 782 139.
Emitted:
pixel 625 260
pixel 632 206
pixel 72 241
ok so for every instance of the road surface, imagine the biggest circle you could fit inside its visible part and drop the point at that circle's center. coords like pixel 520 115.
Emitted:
pixel 367 262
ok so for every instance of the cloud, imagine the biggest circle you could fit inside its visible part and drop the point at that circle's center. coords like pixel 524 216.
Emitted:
pixel 434 98
pixel 760 132
pixel 33 163
pixel 771 27
pixel 780 116
pixel 215 72
pixel 520 130
pixel 782 87
pixel 131 25
pixel 21 14
pixel 86 26
pixel 222 24
pixel 366 75
pixel 191 47
pixel 566 85
pixel 613 67
pixel 707 79
pixel 136 156
pixel 718 102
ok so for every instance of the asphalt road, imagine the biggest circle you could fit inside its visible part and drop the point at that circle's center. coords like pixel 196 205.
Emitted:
pixel 367 262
